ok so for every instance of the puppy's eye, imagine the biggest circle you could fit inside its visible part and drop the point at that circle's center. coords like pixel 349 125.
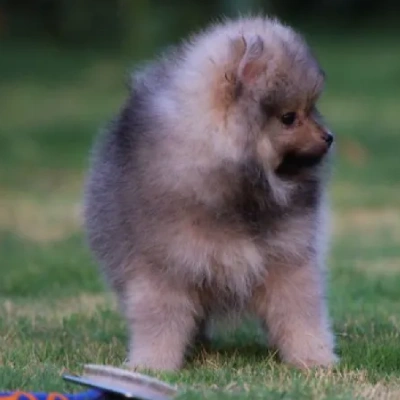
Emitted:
pixel 289 118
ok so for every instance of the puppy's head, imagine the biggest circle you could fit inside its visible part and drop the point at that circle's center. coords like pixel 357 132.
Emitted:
pixel 268 89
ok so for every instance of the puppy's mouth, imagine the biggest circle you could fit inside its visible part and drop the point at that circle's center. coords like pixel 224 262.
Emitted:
pixel 293 163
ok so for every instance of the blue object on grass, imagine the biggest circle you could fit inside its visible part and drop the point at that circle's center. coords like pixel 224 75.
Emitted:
pixel 104 383
pixel 91 394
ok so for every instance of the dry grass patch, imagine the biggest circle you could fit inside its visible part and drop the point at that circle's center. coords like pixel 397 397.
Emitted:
pixel 317 383
pixel 360 383
pixel 384 266
pixel 351 195
pixel 55 311
pixel 353 151
pixel 368 220
pixel 43 220
pixel 379 391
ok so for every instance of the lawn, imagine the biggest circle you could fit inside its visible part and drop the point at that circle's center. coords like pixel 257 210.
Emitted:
pixel 55 313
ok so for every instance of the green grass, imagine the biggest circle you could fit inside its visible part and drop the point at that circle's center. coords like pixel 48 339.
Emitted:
pixel 55 314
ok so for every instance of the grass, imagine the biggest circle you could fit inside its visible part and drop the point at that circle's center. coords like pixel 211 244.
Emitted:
pixel 55 313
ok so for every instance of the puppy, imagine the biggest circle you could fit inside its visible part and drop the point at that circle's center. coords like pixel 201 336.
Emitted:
pixel 206 195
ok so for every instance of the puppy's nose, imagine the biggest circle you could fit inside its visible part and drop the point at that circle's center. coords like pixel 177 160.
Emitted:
pixel 328 138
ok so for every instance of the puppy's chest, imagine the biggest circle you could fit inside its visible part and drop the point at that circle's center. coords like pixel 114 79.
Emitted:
pixel 227 264
pixel 231 247
pixel 223 252
pixel 239 251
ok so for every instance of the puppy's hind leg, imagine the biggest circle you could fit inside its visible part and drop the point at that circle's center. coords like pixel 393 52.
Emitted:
pixel 292 307
pixel 162 324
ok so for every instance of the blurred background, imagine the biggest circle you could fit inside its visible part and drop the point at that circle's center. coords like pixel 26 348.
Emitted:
pixel 64 66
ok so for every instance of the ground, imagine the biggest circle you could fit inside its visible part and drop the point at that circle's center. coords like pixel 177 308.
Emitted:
pixel 55 313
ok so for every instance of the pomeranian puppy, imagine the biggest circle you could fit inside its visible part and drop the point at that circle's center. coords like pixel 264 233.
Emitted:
pixel 206 196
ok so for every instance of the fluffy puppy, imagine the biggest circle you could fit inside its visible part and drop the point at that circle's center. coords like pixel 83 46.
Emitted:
pixel 206 195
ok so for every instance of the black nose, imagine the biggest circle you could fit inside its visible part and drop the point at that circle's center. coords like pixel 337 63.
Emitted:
pixel 328 138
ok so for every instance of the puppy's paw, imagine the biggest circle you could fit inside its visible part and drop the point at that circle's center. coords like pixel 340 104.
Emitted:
pixel 311 356
pixel 163 361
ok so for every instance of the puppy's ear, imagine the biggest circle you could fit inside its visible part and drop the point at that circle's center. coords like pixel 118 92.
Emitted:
pixel 247 55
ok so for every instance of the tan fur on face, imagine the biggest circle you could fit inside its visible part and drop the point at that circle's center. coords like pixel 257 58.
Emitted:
pixel 305 137
pixel 199 201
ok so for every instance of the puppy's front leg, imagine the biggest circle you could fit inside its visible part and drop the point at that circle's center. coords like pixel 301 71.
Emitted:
pixel 292 307
pixel 161 322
